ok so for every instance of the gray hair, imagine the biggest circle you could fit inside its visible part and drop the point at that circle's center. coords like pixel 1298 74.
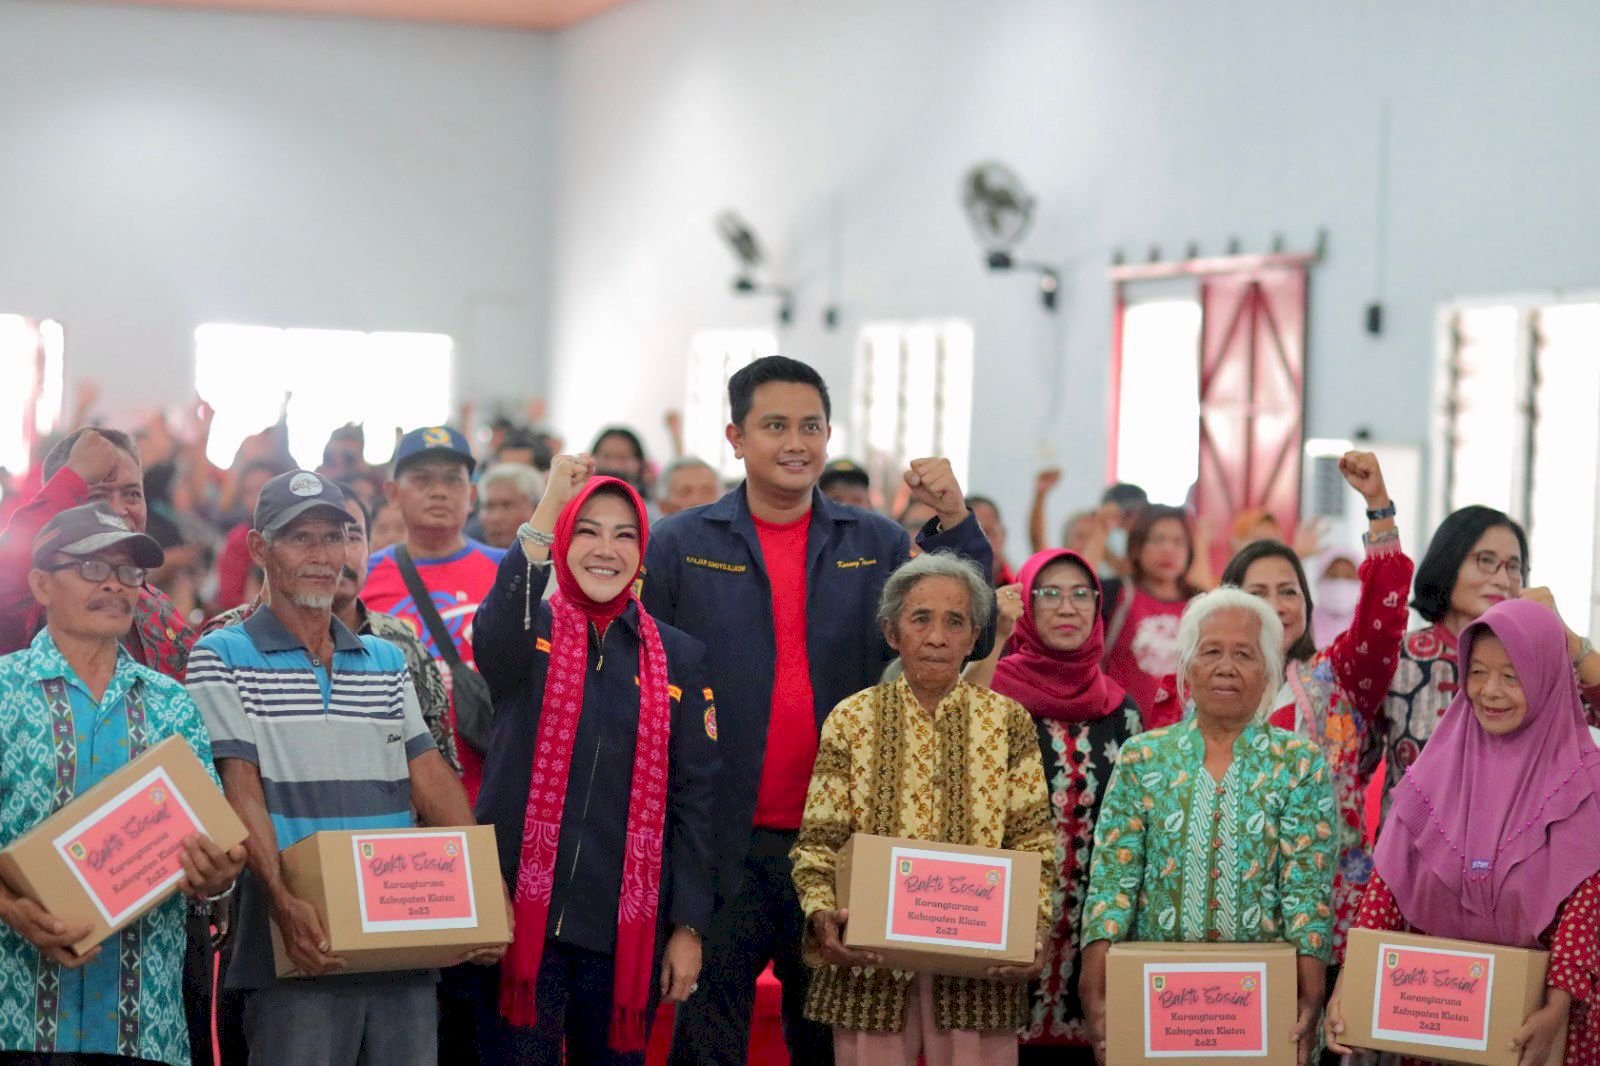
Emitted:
pixel 525 479
pixel 936 564
pixel 686 462
pixel 1232 598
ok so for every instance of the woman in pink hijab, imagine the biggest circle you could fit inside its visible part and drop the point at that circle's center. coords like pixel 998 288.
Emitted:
pixel 1492 833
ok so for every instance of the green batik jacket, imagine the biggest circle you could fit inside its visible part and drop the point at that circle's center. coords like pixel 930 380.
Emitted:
pixel 1181 857
pixel 128 1001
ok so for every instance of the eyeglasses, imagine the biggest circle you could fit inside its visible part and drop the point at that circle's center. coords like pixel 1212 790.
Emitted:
pixel 97 570
pixel 1080 596
pixel 1489 564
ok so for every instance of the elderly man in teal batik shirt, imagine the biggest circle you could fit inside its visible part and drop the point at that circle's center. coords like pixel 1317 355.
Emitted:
pixel 74 708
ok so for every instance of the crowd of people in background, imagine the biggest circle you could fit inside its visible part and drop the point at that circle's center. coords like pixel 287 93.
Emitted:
pixel 667 694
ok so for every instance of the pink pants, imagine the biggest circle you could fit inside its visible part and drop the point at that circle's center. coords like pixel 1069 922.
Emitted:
pixel 921 1038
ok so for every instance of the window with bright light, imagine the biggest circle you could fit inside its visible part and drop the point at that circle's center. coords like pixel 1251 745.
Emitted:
pixel 913 397
pixel 714 357
pixel 1519 430
pixel 31 369
pixel 1158 407
pixel 320 380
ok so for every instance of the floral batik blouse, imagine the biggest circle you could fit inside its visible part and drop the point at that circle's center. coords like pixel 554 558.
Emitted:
pixel 1179 856
pixel 1078 760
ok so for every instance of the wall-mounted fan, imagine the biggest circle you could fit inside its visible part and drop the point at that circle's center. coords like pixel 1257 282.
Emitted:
pixel 1000 209
pixel 741 239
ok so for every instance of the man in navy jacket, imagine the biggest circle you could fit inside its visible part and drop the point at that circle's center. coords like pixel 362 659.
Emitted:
pixel 781 584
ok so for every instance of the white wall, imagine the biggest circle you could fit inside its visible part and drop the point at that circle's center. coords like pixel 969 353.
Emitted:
pixel 160 169
pixel 1137 122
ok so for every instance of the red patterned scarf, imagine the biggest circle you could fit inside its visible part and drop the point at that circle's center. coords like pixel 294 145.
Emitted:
pixel 547 795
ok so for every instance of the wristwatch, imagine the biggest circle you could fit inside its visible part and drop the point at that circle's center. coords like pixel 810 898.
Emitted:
pixel 1585 649
pixel 1382 512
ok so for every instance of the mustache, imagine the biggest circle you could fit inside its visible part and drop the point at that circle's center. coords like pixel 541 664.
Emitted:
pixel 350 575
pixel 104 601
pixel 315 573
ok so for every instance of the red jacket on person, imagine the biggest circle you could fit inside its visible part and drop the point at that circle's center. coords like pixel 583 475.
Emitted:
pixel 160 638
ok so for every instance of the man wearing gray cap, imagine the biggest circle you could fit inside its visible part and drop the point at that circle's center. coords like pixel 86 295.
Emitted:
pixel 315 728
pixel 74 708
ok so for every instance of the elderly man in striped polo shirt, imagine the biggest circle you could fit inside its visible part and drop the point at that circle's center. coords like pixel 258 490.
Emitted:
pixel 316 728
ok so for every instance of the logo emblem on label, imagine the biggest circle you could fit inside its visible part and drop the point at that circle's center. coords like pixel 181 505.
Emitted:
pixel 1248 984
pixel 451 850
pixel 158 795
pixel 304 484
pixel 905 866
pixel 711 722
pixel 366 851
pixel 1476 969
pixel 993 877
pixel 1391 960
pixel 1158 982
pixel 436 437
pixel 79 852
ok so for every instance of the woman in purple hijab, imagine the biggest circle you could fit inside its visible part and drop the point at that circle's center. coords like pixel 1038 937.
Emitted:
pixel 1494 833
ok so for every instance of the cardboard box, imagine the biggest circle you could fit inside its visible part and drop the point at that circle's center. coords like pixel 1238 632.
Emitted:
pixel 114 853
pixel 399 899
pixel 939 908
pixel 1447 1000
pixel 1222 1004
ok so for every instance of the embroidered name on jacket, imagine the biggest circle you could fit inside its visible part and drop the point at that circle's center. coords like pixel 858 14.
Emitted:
pixel 713 564
pixel 855 564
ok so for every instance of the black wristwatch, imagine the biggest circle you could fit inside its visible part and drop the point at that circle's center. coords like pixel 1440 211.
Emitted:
pixel 1381 513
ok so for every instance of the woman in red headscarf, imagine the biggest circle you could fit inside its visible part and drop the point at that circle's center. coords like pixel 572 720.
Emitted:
pixel 1491 833
pixel 598 780
pixel 1052 667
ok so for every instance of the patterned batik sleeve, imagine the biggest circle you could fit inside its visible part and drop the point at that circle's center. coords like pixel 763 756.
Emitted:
pixel 827 823
pixel 1029 826
pixel 1365 655
pixel 1575 947
pixel 1305 836
pixel 1116 876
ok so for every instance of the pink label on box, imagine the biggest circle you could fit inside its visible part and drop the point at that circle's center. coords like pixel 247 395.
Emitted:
pixel 939 898
pixel 414 881
pixel 1433 996
pixel 129 851
pixel 1205 1010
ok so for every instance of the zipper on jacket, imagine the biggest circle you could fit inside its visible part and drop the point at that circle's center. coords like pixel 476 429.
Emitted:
pixel 588 795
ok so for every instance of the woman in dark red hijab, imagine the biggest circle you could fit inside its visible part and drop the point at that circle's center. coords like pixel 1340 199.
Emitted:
pixel 598 780
pixel 1052 667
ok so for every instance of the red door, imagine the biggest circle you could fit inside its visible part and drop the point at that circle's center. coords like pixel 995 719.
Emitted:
pixel 1252 396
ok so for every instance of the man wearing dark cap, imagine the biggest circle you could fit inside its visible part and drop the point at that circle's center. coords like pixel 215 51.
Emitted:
pixel 315 728
pixel 432 487
pixel 74 708
pixel 100 466
pixel 842 481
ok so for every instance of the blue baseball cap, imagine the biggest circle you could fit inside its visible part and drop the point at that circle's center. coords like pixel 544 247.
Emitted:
pixel 433 441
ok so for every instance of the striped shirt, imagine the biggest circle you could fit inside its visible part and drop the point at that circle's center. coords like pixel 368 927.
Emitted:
pixel 333 747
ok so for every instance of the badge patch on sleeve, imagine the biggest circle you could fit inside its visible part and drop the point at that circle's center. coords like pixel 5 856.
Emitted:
pixel 711 722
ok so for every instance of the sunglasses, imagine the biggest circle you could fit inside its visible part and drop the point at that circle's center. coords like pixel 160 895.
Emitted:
pixel 97 570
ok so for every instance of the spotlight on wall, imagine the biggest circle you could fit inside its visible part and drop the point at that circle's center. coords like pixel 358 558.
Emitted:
pixel 741 240
pixel 1001 211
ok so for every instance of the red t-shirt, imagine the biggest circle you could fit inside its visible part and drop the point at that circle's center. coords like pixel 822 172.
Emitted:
pixel 458 583
pixel 792 727
pixel 1146 650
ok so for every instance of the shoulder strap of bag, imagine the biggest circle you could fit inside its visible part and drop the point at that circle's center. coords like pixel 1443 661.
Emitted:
pixel 429 614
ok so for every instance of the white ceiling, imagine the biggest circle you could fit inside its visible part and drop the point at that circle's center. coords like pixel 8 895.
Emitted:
pixel 509 14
